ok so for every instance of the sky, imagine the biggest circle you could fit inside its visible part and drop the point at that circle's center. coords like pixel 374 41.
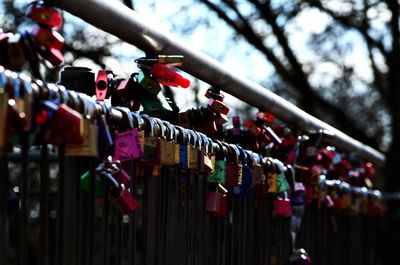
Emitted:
pixel 239 56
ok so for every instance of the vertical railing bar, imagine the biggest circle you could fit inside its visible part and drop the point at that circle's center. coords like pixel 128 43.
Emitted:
pixel 132 217
pixel 202 220
pixel 79 217
pixel 106 214
pixel 197 215
pixel 187 217
pixel 24 191
pixel 4 187
pixel 60 206
pixel 146 220
pixel 83 221
pixel 44 190
pixel 118 238
pixel 180 216
pixel 191 210
pixel 159 206
pixel 91 212
pixel 166 191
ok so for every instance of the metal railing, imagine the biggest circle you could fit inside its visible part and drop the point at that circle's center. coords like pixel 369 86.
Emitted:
pixel 138 30
pixel 46 217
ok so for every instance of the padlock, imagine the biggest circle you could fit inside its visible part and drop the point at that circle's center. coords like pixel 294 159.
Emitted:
pixel 89 145
pixel 166 76
pixel 215 94
pixel 219 174
pixel 148 84
pixel 184 151
pixel 168 151
pixel 67 131
pixel 281 183
pixel 122 176
pixel 49 39
pixel 213 200
pixel 127 145
pixel 3 47
pixel 328 202
pixel 297 199
pixel 99 188
pixel 158 107
pixel 252 128
pixel 21 103
pixel 173 60
pixel 184 120
pixel 220 118
pixel 369 170
pixel 236 130
pixel 309 194
pixel 234 168
pixel 247 179
pixel 44 15
pixel 272 182
pixel 53 56
pixel 210 128
pixel 151 150
pixel 123 200
pixel 195 148
pixel 105 140
pixel 299 257
pixel 103 84
pixel 341 202
pixel 207 163
pixel 223 202
pixel 265 117
pixel 121 96
pixel 15 52
pixel 217 106
pixel 282 206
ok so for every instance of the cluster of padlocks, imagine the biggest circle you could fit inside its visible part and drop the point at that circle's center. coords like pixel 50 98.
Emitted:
pixel 119 120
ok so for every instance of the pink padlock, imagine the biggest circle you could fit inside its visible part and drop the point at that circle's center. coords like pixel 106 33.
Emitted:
pixel 127 146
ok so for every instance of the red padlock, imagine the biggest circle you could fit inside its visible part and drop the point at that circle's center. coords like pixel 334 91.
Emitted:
pixel 210 93
pixel 166 76
pixel 265 117
pixel 50 39
pixel 218 106
pixel 123 200
pixel 46 16
pixel 54 56
pixel 234 168
pixel 67 131
pixel 223 201
pixel 252 127
pixel 220 118
pixel 282 206
pixel 122 177
pixel 102 84
pixel 213 199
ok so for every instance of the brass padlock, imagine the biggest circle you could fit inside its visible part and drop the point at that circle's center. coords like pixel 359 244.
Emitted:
pixel 89 146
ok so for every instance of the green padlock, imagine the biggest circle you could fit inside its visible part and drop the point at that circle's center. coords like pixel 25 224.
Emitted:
pixel 281 183
pixel 158 107
pixel 99 188
pixel 148 83
pixel 219 174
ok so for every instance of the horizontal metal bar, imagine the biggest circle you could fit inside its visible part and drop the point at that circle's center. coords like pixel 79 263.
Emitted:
pixel 114 17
